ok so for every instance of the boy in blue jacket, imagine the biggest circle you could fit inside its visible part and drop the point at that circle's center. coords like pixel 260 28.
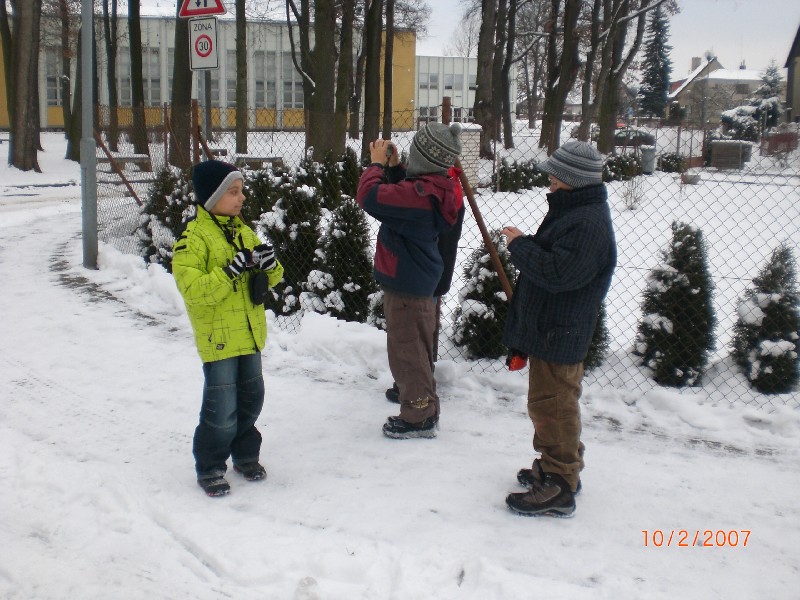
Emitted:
pixel 565 271
pixel 414 207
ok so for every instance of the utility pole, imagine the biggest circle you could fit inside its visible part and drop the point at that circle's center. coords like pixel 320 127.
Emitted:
pixel 88 160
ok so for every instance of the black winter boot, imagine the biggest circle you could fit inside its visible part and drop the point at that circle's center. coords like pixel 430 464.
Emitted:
pixel 528 477
pixel 393 394
pixel 551 498
pixel 214 486
pixel 251 471
pixel 397 428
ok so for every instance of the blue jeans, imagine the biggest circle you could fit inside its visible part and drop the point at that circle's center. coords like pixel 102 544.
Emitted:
pixel 233 396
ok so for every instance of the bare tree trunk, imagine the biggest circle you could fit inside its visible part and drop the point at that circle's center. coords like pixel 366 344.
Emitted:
pixel 7 40
pixel 110 30
pixel 620 62
pixel 324 60
pixel 138 130
pixel 484 114
pixel 355 97
pixel 562 72
pixel 66 66
pixel 387 71
pixel 180 150
pixel 587 114
pixel 372 75
pixel 344 77
pixel 508 129
pixel 75 130
pixel 497 67
pixel 25 64
pixel 241 78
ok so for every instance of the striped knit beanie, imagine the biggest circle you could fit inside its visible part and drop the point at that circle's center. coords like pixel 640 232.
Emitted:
pixel 575 163
pixel 434 149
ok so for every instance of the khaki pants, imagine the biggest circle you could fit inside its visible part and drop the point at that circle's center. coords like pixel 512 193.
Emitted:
pixel 410 328
pixel 553 407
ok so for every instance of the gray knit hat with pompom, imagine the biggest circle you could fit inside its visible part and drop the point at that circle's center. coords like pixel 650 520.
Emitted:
pixel 434 149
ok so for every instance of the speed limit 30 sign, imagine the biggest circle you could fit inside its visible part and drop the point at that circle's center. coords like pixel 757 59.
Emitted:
pixel 203 43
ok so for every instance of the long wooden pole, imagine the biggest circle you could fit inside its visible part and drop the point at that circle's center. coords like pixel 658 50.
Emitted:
pixel 487 239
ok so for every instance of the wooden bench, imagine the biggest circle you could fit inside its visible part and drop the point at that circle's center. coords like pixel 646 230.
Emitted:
pixel 258 162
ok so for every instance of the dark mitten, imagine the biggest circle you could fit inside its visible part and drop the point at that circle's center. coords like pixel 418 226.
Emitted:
pixel 240 263
pixel 264 257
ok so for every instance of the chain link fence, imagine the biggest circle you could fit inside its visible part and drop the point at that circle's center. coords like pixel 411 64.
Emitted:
pixel 742 198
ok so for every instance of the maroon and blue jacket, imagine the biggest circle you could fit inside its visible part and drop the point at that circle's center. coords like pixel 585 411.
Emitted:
pixel 413 213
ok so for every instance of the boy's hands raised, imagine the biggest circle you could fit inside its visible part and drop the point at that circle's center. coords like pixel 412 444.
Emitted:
pixel 384 152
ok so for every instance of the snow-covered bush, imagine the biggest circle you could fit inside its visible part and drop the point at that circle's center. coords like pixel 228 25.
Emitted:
pixel 483 305
pixel 676 332
pixel 672 162
pixel 518 176
pixel 169 203
pixel 341 282
pixel 621 167
pixel 293 225
pixel 765 342
pixel 375 317
pixel 262 189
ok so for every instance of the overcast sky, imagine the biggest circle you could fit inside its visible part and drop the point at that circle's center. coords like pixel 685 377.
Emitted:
pixel 755 31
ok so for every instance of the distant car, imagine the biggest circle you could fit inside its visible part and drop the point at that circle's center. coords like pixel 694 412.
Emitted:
pixel 633 137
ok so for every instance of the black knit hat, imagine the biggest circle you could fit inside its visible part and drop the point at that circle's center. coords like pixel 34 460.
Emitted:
pixel 211 179
pixel 434 149
pixel 577 164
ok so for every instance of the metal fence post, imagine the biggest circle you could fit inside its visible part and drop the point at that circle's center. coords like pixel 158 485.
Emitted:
pixel 88 160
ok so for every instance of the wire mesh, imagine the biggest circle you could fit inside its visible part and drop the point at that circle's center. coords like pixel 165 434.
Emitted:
pixel 743 197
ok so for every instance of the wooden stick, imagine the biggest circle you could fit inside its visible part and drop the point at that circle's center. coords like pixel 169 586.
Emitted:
pixel 487 239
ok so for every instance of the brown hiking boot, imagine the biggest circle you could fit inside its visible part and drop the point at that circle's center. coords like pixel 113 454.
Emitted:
pixel 529 477
pixel 550 497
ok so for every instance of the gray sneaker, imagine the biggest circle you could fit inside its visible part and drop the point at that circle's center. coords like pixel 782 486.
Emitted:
pixel 549 498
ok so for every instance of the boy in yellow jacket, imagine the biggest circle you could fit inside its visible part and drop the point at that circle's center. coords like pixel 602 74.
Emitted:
pixel 223 271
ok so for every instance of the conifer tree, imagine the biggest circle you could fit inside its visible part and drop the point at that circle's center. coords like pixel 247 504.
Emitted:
pixel 293 225
pixel 169 203
pixel 765 342
pixel 376 317
pixel 341 282
pixel 601 340
pixel 483 305
pixel 657 66
pixel 262 191
pixel 676 333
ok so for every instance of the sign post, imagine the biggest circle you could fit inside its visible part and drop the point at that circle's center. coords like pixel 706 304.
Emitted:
pixel 203 43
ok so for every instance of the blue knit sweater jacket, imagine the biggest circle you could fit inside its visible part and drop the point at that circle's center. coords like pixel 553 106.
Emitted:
pixel 565 271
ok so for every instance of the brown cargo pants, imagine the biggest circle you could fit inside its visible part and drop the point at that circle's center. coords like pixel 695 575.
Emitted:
pixel 410 329
pixel 553 393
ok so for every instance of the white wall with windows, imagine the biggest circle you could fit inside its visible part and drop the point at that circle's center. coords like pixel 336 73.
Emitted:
pixel 273 82
pixel 454 76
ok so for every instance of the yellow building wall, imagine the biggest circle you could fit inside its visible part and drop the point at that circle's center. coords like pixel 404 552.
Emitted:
pixel 403 74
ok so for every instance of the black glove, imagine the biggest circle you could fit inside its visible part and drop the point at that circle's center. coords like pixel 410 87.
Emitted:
pixel 240 263
pixel 264 257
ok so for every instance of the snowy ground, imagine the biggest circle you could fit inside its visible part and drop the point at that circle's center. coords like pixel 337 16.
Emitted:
pixel 101 387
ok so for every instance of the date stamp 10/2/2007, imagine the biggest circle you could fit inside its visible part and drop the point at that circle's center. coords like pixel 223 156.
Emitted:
pixel 692 538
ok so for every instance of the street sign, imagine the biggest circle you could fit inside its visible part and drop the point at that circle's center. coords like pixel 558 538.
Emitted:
pixel 203 43
pixel 201 8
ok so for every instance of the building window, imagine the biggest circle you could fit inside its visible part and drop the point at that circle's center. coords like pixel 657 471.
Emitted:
pixel 292 84
pixel 265 74
pixel 230 78
pixel 742 89
pixel 213 89
pixel 428 81
pixel 151 65
pixel 473 82
pixel 53 67
pixel 125 98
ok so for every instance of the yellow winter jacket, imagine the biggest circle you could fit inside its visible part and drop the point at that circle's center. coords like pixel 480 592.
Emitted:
pixel 225 322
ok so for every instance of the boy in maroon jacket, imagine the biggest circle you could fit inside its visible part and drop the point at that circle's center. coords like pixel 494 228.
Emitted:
pixel 414 207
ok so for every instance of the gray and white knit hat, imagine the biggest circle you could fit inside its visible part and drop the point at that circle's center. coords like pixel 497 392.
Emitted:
pixel 577 164
pixel 434 149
